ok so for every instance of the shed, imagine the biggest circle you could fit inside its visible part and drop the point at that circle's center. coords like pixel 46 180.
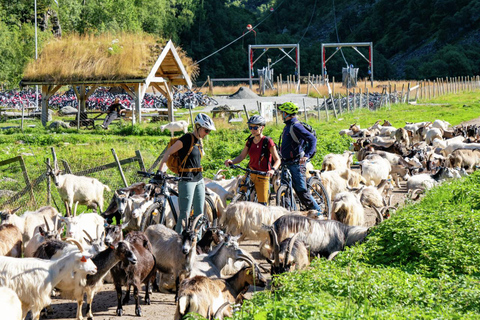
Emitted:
pixel 92 62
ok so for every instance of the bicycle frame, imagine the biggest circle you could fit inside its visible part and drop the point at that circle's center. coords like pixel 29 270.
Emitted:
pixel 286 176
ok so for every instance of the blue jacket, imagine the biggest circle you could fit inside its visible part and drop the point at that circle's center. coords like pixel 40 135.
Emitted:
pixel 290 150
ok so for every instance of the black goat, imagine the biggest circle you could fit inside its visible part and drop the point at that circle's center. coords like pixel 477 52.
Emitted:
pixel 135 274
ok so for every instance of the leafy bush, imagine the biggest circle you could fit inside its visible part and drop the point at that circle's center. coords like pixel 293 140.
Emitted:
pixel 420 264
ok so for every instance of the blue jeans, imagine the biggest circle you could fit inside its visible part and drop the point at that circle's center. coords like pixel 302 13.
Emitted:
pixel 188 193
pixel 299 183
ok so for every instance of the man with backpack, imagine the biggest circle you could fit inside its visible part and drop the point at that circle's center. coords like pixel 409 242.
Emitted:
pixel 297 145
pixel 263 157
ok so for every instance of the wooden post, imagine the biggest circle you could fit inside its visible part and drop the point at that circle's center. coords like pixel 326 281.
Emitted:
pixel 348 100
pixel 27 180
pixel 191 116
pixel 210 86
pixel 318 110
pixel 141 164
pixel 308 84
pixel 119 168
pixel 66 167
pixel 278 86
pixel 326 107
pixel 246 113
pixel 333 86
pixel 281 84
pixel 258 107
pixel 305 110
pixel 276 114
pixel 49 184
pixel 408 92
pixel 78 117
pixel 368 98
pixel 360 104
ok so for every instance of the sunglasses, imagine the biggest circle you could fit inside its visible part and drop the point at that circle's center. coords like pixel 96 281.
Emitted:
pixel 253 127
pixel 207 130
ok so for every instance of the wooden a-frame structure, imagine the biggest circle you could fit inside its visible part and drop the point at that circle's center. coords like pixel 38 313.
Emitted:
pixel 167 72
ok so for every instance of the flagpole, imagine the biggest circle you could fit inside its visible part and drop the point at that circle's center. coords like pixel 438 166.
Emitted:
pixel 36 55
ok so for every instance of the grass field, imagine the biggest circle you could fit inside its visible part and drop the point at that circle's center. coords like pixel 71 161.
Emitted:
pixel 90 148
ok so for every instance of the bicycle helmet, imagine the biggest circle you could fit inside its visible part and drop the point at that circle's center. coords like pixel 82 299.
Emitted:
pixel 288 107
pixel 204 121
pixel 258 120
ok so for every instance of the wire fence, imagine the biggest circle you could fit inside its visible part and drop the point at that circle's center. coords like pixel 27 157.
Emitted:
pixel 30 187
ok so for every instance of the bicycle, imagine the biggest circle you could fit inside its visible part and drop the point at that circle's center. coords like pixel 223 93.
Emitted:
pixel 287 198
pixel 156 212
pixel 246 189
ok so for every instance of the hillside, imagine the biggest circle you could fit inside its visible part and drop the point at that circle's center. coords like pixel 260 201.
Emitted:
pixel 412 39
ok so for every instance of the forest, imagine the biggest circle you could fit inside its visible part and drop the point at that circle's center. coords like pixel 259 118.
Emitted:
pixel 413 39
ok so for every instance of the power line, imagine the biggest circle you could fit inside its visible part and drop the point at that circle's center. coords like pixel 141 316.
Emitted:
pixel 243 35
pixel 336 31
pixel 311 18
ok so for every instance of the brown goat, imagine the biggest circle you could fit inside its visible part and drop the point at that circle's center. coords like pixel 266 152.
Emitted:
pixel 10 241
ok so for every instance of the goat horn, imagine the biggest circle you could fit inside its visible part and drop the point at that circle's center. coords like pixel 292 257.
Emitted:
pixel 219 313
pixel 276 247
pixel 246 259
pixel 379 216
pixel 46 223
pixel 333 255
pixel 291 243
pixel 75 242
pixel 89 237
pixel 193 226
pixel 414 192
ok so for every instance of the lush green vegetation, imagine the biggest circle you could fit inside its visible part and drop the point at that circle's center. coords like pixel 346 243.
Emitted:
pixel 412 39
pixel 423 263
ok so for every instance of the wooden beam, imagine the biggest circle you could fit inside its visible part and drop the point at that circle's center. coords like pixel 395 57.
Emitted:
pixel 129 91
pixel 91 91
pixel 162 91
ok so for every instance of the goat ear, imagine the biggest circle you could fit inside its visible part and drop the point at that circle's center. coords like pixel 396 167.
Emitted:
pixel 41 231
pixel 15 210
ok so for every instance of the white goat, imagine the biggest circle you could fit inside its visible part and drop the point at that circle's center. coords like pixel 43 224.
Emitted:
pixel 33 279
pixel 79 189
pixel 132 210
pixel 375 171
pixel 441 124
pixel 92 223
pixel 334 161
pixel 347 209
pixel 433 133
pixel 174 126
pixel 10 304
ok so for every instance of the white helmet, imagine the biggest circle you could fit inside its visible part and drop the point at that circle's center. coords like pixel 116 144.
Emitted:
pixel 204 121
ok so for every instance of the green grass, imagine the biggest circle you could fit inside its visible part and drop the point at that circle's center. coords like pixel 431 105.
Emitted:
pixel 91 148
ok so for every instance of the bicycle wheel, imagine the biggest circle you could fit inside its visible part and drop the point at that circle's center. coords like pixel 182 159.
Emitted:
pixel 152 216
pixel 211 207
pixel 319 193
pixel 284 198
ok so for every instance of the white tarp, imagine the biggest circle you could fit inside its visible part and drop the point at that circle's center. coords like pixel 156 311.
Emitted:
pixel 266 110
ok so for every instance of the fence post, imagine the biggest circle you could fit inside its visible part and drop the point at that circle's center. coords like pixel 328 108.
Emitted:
pixel 308 84
pixel 246 113
pixel 348 100
pixel 408 92
pixel 368 98
pixel 191 116
pixel 141 164
pixel 305 110
pixel 276 114
pixel 210 85
pixel 318 110
pixel 119 168
pixel 49 184
pixel 326 107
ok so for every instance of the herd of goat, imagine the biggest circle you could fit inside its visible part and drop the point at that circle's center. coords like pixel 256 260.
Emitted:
pixel 44 253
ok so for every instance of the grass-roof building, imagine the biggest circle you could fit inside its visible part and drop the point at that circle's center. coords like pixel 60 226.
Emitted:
pixel 133 62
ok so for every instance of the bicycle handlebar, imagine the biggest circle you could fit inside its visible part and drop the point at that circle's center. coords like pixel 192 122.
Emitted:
pixel 234 166
pixel 162 176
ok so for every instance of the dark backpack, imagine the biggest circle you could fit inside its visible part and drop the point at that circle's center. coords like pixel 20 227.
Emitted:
pixel 309 129
pixel 265 151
